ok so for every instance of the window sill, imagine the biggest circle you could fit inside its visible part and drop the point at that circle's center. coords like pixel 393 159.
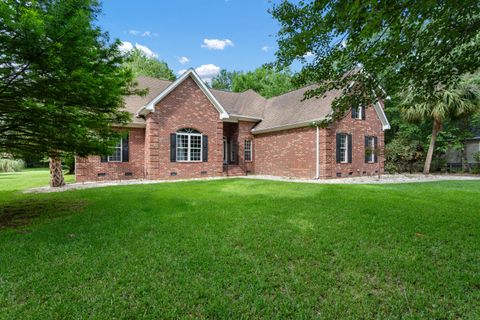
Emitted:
pixel 186 161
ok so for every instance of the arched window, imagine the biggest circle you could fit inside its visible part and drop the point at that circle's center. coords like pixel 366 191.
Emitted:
pixel 188 145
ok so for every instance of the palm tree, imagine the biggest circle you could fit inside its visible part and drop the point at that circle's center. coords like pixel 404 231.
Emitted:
pixel 460 100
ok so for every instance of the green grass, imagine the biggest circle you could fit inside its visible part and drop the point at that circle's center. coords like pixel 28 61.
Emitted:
pixel 240 248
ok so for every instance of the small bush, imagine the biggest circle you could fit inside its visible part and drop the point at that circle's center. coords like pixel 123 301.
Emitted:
pixel 402 155
pixel 11 165
pixel 476 156
pixel 475 170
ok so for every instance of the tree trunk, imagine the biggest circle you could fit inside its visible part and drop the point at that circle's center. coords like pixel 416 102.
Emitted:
pixel 56 174
pixel 437 126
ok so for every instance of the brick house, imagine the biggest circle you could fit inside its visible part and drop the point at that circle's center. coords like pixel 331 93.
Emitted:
pixel 183 130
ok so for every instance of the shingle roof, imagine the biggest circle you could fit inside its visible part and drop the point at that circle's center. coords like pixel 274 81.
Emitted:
pixel 133 103
pixel 248 103
pixel 289 108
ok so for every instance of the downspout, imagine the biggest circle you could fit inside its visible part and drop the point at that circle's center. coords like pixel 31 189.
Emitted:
pixel 318 154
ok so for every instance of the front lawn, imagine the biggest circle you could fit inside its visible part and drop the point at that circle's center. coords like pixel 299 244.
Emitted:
pixel 240 248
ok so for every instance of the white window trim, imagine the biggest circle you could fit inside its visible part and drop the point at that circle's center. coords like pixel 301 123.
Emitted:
pixel 121 152
pixel 189 146
pixel 250 149
pixel 345 160
pixel 371 145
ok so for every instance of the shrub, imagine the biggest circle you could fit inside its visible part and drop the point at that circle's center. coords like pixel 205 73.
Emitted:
pixel 475 170
pixel 476 156
pixel 11 165
pixel 403 155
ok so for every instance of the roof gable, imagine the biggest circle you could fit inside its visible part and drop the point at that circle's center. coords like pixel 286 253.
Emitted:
pixel 150 106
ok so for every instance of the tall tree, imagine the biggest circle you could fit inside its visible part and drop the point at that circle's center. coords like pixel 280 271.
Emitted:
pixel 223 80
pixel 424 45
pixel 62 81
pixel 142 65
pixel 267 81
pixel 458 100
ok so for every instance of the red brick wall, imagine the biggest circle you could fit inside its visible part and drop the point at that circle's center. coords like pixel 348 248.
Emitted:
pixel 87 169
pixel 371 126
pixel 292 153
pixel 287 153
pixel 185 107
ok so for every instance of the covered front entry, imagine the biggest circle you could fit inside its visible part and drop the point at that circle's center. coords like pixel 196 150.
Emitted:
pixel 230 143
pixel 229 151
pixel 231 160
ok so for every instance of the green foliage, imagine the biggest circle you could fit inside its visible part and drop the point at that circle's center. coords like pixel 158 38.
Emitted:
pixel 223 80
pixel 141 65
pixel 238 248
pixel 403 155
pixel 62 79
pixel 476 156
pixel 266 81
pixel 402 45
pixel 461 99
pixel 11 165
pixel 452 136
pixel 68 160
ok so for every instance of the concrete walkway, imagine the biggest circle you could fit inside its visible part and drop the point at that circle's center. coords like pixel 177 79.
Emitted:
pixel 385 179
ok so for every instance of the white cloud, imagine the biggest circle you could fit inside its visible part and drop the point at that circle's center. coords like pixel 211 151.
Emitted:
pixel 183 60
pixel 308 55
pixel 149 53
pixel 216 44
pixel 207 71
pixel 127 46
pixel 266 48
pixel 149 34
pixel 144 34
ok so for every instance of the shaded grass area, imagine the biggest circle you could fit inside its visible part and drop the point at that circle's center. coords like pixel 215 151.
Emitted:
pixel 17 210
pixel 246 248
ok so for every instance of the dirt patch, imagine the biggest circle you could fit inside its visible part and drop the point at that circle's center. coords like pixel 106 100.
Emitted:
pixel 20 213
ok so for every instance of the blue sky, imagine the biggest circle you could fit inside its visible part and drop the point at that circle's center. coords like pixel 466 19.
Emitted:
pixel 204 34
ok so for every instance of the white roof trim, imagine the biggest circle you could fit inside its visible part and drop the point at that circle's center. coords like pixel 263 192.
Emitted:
pixel 149 107
pixel 237 117
pixel 381 115
pixel 288 126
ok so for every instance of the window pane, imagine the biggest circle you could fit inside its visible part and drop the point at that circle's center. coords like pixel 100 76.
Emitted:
pixel 195 141
pixel 182 141
pixel 195 154
pixel 371 146
pixel 248 150
pixel 182 154
pixel 189 146
pixel 116 156
pixel 343 148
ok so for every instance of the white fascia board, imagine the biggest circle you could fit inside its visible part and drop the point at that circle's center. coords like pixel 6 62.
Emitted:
pixel 238 117
pixel 381 115
pixel 287 126
pixel 149 107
